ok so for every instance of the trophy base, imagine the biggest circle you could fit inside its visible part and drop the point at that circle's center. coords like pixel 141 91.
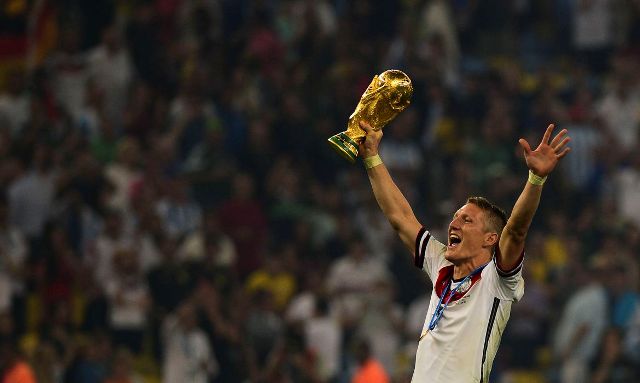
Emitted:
pixel 345 146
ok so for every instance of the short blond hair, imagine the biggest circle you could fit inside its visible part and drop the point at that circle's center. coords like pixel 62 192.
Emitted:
pixel 496 218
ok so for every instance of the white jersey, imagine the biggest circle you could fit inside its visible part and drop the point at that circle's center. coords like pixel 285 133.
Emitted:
pixel 464 343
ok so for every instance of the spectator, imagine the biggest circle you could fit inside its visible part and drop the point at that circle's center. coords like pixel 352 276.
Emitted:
pixel 275 278
pixel 121 369
pixel 13 368
pixel 68 66
pixel 593 31
pixel 188 355
pixel 352 280
pixel 90 363
pixel 144 43
pixel 376 231
pixel 580 329
pixel 439 42
pixel 12 266
pixel 31 196
pixel 57 346
pixel 15 103
pixel 631 342
pixel 148 234
pixel 192 114
pixel 381 325
pixel 369 370
pixel 128 298
pixel 530 319
pixel 224 314
pixel 112 239
pixel 416 312
pixel 244 220
pixel 170 281
pixel 265 333
pixel 209 166
pixel 110 66
pixel 58 268
pixel 209 242
pixel 617 109
pixel 91 115
pixel 323 339
pixel 46 364
pixel 136 119
pixel 87 196
pixel 104 143
pixel 402 149
pixel 180 214
pixel 303 306
pixel 124 173
pixel 627 189
pixel 613 365
pixel 586 138
pixel 623 296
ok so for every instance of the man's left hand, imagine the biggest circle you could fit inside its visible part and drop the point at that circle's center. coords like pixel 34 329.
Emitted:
pixel 545 157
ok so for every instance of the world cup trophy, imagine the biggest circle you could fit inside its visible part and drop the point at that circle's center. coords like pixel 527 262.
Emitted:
pixel 388 94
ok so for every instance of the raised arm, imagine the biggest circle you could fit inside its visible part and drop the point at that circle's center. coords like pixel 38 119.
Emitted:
pixel 390 199
pixel 541 163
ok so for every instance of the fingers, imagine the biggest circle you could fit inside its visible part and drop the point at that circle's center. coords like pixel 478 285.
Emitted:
pixel 564 153
pixel 547 133
pixel 369 145
pixel 557 138
pixel 525 146
pixel 558 148
pixel 369 130
pixel 365 126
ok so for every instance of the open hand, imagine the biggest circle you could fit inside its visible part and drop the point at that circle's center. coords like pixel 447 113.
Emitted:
pixel 545 157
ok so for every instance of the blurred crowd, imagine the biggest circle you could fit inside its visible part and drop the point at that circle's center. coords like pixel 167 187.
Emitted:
pixel 170 210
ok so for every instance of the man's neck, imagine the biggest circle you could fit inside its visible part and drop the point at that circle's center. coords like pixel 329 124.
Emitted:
pixel 462 270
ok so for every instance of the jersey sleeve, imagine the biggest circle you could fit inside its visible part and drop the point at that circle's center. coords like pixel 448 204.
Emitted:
pixel 429 254
pixel 507 284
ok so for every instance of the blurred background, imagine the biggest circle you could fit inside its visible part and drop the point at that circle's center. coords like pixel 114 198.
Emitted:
pixel 170 210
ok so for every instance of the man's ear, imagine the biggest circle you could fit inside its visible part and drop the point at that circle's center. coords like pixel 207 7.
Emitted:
pixel 491 239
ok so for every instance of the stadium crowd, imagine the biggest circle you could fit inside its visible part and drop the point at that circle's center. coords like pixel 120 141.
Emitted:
pixel 170 210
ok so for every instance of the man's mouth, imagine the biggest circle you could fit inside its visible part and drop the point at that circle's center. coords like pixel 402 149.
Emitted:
pixel 454 240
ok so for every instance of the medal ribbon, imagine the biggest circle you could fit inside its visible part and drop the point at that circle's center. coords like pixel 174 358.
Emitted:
pixel 440 308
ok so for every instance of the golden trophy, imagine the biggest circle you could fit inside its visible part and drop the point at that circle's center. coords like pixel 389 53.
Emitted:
pixel 388 94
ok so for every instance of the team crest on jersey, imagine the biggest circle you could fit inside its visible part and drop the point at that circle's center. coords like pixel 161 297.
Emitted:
pixel 465 286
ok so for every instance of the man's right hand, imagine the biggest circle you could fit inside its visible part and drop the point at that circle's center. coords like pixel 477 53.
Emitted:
pixel 369 146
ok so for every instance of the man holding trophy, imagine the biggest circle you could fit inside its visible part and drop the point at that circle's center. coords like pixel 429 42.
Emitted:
pixel 477 274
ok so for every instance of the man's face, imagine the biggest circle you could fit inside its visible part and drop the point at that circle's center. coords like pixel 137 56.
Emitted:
pixel 467 234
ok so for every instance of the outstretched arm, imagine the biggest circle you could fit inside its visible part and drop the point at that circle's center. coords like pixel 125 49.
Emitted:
pixel 541 163
pixel 390 199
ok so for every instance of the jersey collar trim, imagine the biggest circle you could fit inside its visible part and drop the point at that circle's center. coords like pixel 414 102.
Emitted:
pixel 445 276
